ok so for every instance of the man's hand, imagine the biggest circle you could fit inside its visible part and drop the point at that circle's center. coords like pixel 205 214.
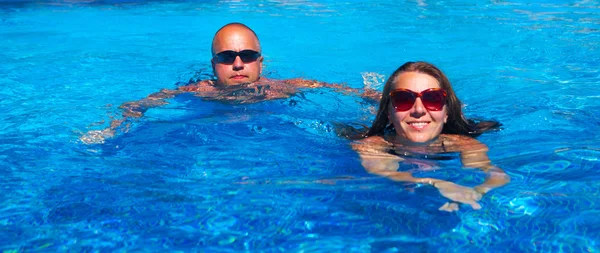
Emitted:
pixel 371 95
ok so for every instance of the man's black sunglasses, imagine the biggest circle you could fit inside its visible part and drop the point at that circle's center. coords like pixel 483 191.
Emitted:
pixel 228 57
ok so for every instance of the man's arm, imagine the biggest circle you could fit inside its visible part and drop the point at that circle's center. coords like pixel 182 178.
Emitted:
pixel 133 109
pixel 137 109
pixel 367 93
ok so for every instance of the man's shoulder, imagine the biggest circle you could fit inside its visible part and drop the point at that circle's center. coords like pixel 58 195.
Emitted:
pixel 295 82
pixel 304 83
pixel 197 86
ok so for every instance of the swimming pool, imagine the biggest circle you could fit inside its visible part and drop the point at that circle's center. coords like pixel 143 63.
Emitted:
pixel 272 176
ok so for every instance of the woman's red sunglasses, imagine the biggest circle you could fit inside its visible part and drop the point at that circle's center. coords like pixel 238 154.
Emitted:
pixel 433 99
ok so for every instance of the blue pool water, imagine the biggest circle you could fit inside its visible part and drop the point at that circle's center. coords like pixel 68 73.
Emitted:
pixel 198 176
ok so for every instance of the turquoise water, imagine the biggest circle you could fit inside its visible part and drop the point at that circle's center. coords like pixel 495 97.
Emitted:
pixel 272 176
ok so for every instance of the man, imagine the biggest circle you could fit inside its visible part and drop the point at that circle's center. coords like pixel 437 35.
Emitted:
pixel 237 64
pixel 231 67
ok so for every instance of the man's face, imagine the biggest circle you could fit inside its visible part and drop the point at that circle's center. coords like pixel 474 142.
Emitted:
pixel 236 39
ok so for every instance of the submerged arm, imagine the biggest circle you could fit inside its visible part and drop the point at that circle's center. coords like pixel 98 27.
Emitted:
pixel 134 109
pixel 473 154
pixel 376 161
pixel 494 176
pixel 368 94
pixel 137 109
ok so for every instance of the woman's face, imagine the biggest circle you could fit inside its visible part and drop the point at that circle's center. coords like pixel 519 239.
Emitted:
pixel 417 124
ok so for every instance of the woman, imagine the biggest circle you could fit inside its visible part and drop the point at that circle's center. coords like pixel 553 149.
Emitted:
pixel 419 114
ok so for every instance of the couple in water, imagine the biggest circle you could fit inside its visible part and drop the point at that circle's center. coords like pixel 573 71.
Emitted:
pixel 418 114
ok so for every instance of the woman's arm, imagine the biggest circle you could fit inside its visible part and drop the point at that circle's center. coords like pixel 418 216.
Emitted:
pixel 376 161
pixel 473 154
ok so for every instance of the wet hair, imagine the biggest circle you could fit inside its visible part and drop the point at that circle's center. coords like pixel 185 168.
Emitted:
pixel 228 25
pixel 456 123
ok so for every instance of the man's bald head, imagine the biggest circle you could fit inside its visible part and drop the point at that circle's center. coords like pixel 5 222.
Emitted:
pixel 234 33
pixel 236 38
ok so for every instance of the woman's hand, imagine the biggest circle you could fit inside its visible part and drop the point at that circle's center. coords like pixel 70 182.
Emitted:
pixel 457 193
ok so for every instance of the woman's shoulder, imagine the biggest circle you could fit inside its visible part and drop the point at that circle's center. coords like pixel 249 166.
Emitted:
pixel 371 144
pixel 457 138
pixel 458 143
pixel 376 140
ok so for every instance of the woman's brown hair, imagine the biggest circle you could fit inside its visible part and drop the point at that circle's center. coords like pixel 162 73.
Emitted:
pixel 456 123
